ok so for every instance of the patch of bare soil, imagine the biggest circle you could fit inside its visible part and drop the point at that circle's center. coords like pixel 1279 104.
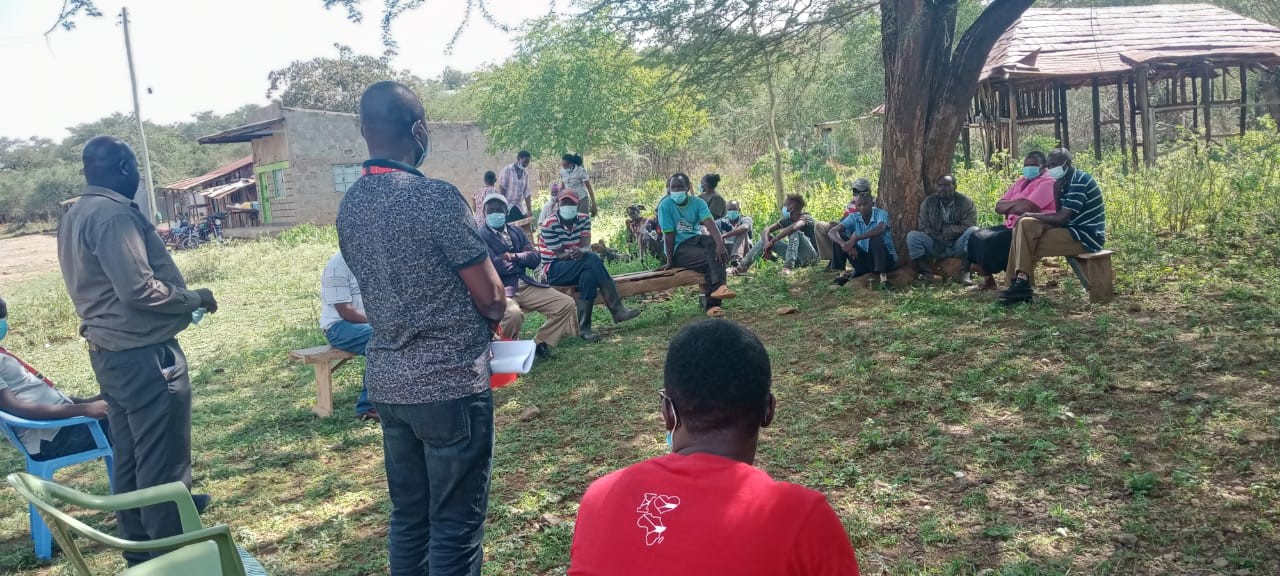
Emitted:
pixel 25 257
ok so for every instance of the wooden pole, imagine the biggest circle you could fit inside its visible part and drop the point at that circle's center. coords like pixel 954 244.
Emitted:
pixel 1206 96
pixel 1244 98
pixel 1120 114
pixel 146 205
pixel 968 154
pixel 1061 95
pixel 1097 122
pixel 1195 99
pixel 1013 121
pixel 1148 123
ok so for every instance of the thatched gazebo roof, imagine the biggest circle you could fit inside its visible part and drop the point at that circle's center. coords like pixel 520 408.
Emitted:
pixel 1077 45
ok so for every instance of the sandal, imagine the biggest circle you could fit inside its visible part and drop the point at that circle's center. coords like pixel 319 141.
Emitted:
pixel 715 312
pixel 723 293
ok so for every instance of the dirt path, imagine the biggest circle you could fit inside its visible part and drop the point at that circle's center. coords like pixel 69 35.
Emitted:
pixel 25 257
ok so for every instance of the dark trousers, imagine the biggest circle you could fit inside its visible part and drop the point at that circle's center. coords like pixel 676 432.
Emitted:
pixel 438 458
pixel 587 273
pixel 71 440
pixel 838 256
pixel 876 259
pixel 148 394
pixel 699 253
pixel 989 248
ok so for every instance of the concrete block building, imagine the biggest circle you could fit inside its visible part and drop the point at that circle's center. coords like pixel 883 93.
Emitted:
pixel 304 160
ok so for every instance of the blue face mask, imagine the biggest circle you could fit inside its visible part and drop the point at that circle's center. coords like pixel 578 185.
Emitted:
pixel 498 219
pixel 786 213
pixel 733 214
pixel 1057 172
pixel 4 327
pixel 1030 172
pixel 670 445
pixel 679 197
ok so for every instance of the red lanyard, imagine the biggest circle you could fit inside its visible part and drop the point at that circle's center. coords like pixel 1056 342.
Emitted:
pixel 28 367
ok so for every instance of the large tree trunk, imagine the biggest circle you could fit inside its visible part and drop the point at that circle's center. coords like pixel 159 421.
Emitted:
pixel 774 145
pixel 928 88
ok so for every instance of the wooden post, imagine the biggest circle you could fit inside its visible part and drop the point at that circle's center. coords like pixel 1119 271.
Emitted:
pixel 1148 123
pixel 1097 122
pixel 1061 95
pixel 1133 124
pixel 1013 121
pixel 1195 99
pixel 1244 98
pixel 1206 96
pixel 964 138
pixel 1120 114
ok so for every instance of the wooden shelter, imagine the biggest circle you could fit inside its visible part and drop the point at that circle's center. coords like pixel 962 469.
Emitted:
pixel 1151 60
pixel 230 188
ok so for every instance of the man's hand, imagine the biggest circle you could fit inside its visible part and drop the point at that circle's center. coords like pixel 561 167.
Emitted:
pixel 506 256
pixel 96 409
pixel 662 268
pixel 722 255
pixel 207 301
pixel 595 210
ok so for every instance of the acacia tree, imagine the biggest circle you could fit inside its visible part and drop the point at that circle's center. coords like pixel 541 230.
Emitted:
pixel 929 77
pixel 577 87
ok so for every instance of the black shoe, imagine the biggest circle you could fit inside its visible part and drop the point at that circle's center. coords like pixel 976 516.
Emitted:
pixel 841 280
pixel 542 350
pixel 1018 291
pixel 202 501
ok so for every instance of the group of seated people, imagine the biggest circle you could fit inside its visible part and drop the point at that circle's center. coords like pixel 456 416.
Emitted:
pixel 1052 209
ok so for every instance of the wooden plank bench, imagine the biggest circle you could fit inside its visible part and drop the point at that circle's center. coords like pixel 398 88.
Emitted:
pixel 1095 274
pixel 645 282
pixel 323 358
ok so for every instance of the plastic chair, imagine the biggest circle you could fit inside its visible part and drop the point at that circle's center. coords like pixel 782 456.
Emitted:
pixel 44 469
pixel 198 551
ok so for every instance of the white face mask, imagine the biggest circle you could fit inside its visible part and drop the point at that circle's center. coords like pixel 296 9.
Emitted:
pixel 1057 172
pixel 568 212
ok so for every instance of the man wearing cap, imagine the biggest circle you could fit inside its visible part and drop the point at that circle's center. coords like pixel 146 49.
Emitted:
pixel 513 256
pixel 830 250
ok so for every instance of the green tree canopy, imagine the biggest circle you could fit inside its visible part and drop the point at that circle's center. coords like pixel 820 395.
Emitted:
pixel 573 86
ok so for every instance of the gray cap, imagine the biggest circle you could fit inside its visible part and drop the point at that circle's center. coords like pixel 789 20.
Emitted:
pixel 861 185
pixel 491 197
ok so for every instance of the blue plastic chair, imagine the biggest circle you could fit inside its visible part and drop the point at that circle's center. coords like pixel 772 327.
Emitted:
pixel 40 534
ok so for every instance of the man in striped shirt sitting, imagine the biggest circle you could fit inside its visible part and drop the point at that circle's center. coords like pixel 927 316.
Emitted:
pixel 564 242
pixel 1079 226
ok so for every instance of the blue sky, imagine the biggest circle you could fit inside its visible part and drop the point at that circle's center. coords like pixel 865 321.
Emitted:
pixel 200 55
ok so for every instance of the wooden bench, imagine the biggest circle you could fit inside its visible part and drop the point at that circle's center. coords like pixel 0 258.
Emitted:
pixel 323 358
pixel 645 282
pixel 1095 274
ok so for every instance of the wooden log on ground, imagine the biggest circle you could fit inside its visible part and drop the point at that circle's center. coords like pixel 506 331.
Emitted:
pixel 645 282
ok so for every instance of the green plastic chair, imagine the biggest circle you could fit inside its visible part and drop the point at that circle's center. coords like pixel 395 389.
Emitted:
pixel 198 551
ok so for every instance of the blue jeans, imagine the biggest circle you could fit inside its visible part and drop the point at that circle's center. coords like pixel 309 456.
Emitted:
pixel 438 458
pixel 352 337
pixel 796 251
pixel 587 273
pixel 920 245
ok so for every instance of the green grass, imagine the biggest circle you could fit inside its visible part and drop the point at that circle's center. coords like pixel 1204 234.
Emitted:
pixel 950 434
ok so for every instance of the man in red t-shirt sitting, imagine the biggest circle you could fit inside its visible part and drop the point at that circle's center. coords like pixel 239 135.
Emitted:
pixel 704 509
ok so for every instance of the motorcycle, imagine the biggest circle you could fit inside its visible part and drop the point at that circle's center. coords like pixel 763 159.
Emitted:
pixel 211 228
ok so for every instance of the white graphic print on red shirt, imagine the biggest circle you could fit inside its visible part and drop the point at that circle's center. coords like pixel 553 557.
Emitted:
pixel 651 510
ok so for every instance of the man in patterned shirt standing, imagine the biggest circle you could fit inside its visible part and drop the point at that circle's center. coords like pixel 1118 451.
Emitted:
pixel 1079 226
pixel 434 300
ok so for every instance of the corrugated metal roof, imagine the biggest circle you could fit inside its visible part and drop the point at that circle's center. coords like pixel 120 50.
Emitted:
pixel 243 133
pixel 196 181
pixel 1107 41
pixel 219 191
